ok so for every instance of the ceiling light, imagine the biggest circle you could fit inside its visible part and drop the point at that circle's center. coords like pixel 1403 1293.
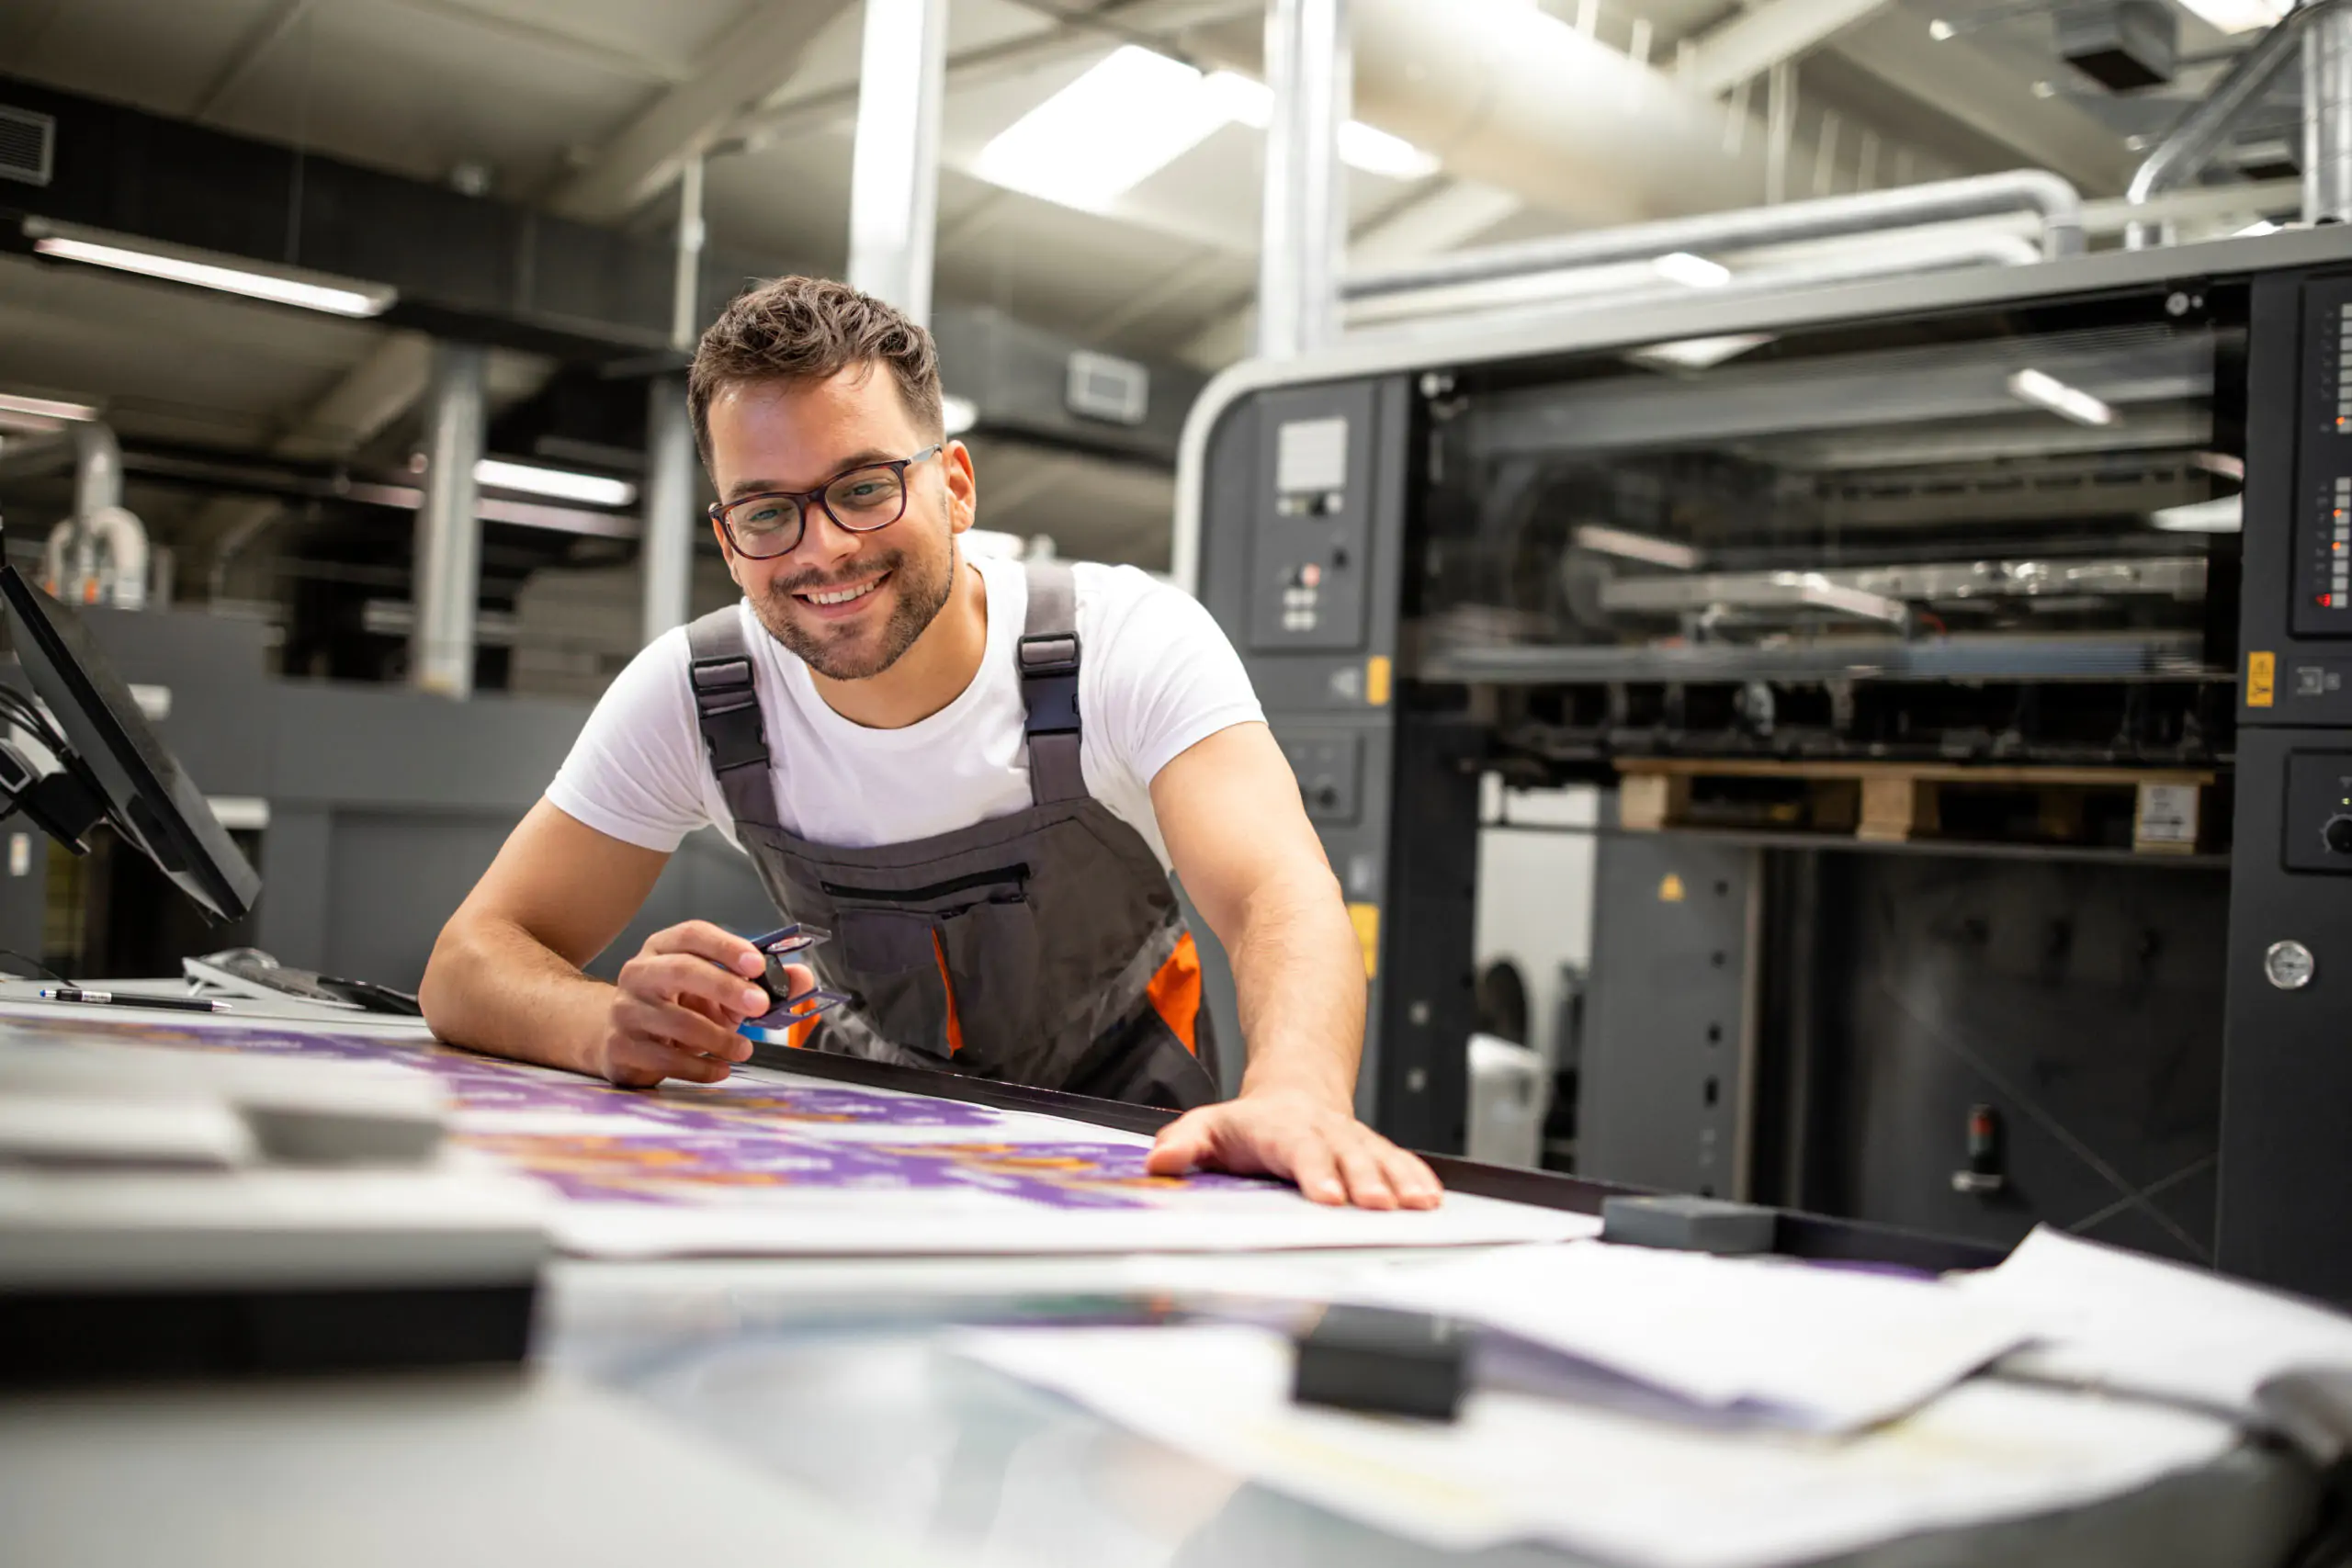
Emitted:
pixel 956 415
pixel 45 408
pixel 2223 515
pixel 2259 226
pixel 2238 16
pixel 1940 29
pixel 2067 403
pixel 229 275
pixel 563 484
pixel 1692 272
pixel 1698 353
pixel 1245 100
pixel 1129 117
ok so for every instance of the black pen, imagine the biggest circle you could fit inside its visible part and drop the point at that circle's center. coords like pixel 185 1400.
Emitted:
pixel 108 998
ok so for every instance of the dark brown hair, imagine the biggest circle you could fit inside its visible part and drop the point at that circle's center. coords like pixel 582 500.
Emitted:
pixel 806 329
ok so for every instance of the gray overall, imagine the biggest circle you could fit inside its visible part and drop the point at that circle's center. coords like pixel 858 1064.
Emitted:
pixel 1045 947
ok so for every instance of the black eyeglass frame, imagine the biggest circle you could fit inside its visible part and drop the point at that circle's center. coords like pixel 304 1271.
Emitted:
pixel 804 499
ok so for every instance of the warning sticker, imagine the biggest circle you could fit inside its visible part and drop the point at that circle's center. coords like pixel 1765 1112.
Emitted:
pixel 2261 679
pixel 2166 817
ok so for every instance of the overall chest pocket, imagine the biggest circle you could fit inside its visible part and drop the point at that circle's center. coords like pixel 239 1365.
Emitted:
pixel 944 967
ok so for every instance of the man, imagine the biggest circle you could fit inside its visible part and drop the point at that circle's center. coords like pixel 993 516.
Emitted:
pixel 977 775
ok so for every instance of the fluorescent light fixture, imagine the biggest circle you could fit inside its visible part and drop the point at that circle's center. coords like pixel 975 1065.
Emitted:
pixel 1692 272
pixel 1132 114
pixel 957 415
pixel 1698 353
pixel 45 408
pixel 2238 16
pixel 229 275
pixel 2223 515
pixel 1136 112
pixel 2047 391
pixel 2258 227
pixel 562 484
pixel 1940 29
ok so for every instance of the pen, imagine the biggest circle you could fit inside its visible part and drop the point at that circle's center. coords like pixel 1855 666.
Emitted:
pixel 107 998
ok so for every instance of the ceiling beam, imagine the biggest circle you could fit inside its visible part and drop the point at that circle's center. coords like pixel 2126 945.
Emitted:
pixel 1754 41
pixel 744 68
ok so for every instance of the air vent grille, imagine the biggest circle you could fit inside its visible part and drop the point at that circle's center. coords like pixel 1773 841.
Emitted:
pixel 28 145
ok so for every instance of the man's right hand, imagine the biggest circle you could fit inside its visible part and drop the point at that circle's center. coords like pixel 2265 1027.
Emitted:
pixel 678 1004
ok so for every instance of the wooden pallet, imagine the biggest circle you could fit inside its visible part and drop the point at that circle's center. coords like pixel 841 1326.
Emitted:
pixel 1895 802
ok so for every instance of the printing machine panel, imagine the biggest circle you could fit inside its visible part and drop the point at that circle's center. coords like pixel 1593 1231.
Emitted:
pixel 1977 643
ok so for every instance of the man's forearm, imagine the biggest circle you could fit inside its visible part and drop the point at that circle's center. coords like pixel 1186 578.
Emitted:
pixel 1299 975
pixel 494 987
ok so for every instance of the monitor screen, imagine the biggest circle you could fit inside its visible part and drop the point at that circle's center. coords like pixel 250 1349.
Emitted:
pixel 149 801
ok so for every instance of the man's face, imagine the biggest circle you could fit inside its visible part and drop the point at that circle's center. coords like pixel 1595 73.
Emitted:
pixel 776 435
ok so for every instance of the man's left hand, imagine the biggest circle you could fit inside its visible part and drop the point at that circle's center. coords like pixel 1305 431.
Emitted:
pixel 1333 1157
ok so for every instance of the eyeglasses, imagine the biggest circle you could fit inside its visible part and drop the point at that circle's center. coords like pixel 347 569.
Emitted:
pixel 861 499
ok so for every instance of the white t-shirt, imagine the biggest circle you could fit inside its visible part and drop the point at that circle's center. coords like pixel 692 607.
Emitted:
pixel 1156 675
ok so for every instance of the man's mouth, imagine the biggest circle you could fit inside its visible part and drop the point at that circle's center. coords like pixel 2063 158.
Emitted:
pixel 842 595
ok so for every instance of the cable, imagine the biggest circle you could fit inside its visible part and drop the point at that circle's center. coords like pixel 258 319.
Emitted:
pixel 35 963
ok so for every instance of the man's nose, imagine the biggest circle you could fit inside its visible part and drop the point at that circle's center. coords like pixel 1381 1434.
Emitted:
pixel 822 540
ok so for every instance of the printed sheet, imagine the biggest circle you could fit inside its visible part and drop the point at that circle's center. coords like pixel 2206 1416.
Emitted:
pixel 778 1163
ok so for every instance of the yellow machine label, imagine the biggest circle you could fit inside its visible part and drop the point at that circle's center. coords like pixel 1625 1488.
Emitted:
pixel 1670 890
pixel 1375 680
pixel 2261 679
pixel 1366 920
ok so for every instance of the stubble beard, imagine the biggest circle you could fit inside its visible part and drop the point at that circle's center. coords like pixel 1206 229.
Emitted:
pixel 838 654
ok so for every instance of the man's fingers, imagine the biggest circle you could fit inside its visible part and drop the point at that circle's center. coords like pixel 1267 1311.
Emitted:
pixel 1416 1184
pixel 1367 1184
pixel 669 1023
pixel 668 977
pixel 703 939
pixel 1317 1173
pixel 1182 1144
pixel 799 977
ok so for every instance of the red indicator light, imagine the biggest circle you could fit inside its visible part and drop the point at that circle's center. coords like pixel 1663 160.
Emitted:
pixel 2326 600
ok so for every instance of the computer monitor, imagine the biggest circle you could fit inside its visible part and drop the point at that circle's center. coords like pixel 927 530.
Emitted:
pixel 124 771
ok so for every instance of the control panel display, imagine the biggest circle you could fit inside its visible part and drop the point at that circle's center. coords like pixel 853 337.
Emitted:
pixel 2319 811
pixel 1312 524
pixel 2322 563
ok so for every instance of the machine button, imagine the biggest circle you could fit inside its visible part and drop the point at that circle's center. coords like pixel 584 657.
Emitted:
pixel 2338 834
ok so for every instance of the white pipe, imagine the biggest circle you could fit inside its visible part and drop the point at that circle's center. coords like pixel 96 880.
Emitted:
pixel 1509 96
pixel 2059 205
pixel 894 159
pixel 122 556
pixel 1305 196
pixel 2327 118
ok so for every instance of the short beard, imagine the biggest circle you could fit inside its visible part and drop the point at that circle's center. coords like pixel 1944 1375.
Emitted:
pixel 917 604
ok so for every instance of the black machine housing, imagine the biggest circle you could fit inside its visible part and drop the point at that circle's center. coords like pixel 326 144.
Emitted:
pixel 1879 528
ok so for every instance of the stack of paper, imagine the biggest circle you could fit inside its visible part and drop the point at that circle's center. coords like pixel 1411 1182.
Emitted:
pixel 1598 1482
pixel 2121 1320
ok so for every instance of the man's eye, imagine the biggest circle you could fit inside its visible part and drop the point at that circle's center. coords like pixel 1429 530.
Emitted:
pixel 765 517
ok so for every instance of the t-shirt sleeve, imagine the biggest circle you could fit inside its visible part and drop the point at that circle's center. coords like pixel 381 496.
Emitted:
pixel 1169 678
pixel 636 771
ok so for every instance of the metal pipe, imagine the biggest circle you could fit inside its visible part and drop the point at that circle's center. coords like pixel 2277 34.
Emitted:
pixel 1433 327
pixel 667 553
pixel 2327 118
pixel 2187 146
pixel 448 531
pixel 685 284
pixel 1305 198
pixel 2021 190
pixel 98 469
pixel 894 164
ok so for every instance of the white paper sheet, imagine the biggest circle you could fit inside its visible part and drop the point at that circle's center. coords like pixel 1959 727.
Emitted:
pixel 1827 1349
pixel 2123 1320
pixel 1517 1467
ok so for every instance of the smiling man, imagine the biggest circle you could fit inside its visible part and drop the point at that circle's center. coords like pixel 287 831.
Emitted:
pixel 975 774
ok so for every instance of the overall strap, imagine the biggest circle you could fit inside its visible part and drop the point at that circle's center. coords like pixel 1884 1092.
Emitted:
pixel 1048 660
pixel 726 710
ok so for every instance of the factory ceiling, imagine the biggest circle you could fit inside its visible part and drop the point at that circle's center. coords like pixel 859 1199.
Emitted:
pixel 584 108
